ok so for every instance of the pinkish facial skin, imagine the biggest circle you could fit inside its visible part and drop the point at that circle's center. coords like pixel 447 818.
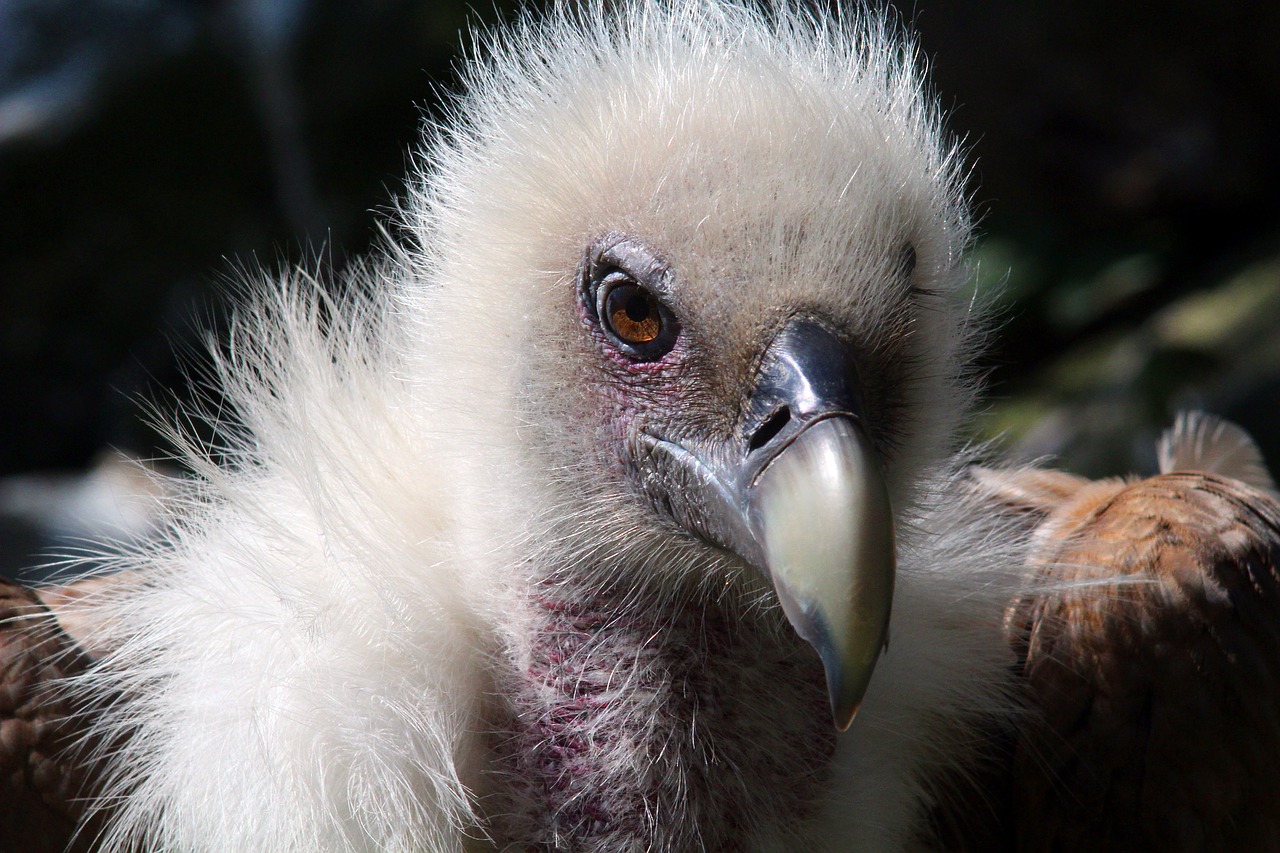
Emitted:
pixel 595 684
pixel 625 388
pixel 622 707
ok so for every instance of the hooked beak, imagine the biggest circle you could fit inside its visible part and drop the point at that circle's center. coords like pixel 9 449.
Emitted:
pixel 806 504
pixel 821 511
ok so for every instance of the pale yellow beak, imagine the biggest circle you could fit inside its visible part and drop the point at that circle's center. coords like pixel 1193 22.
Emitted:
pixel 821 512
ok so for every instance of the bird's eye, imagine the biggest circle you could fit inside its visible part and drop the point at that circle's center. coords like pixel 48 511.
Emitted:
pixel 636 321
pixel 632 314
pixel 622 283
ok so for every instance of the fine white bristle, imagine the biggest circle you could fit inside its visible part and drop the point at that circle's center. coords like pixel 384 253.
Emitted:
pixel 314 655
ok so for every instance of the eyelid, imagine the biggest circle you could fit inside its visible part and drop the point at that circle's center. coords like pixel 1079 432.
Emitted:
pixel 601 286
pixel 635 260
pixel 616 261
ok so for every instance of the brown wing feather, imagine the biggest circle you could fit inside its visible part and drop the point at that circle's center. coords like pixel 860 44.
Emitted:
pixel 43 778
pixel 1159 692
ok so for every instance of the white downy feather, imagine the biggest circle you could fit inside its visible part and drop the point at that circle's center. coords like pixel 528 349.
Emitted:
pixel 309 659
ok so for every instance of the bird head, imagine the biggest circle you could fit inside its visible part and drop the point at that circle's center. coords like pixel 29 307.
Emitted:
pixel 702 266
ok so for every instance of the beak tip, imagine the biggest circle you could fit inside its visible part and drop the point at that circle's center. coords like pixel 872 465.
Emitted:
pixel 843 717
pixel 845 694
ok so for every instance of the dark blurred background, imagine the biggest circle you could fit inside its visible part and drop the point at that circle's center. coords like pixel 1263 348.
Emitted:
pixel 1127 173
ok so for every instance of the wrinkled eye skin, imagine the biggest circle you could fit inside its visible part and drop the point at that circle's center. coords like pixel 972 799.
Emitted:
pixel 622 283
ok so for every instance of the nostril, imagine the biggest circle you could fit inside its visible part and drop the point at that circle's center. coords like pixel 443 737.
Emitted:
pixel 770 428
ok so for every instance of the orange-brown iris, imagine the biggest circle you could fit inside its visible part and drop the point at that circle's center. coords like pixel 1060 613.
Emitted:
pixel 633 314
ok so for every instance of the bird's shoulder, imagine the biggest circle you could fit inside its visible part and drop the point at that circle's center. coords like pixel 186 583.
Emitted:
pixel 43 776
pixel 1151 650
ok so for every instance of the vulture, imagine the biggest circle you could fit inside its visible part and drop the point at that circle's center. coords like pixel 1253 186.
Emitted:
pixel 617 504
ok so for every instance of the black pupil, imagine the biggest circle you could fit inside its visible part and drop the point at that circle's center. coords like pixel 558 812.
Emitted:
pixel 638 307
